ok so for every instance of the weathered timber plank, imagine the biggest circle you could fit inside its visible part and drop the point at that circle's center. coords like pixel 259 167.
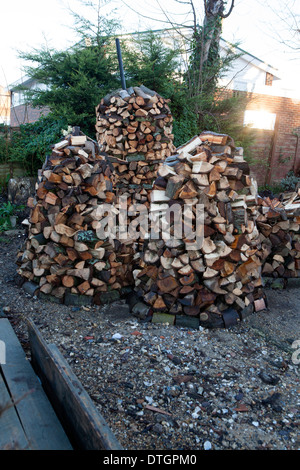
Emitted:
pixel 87 428
pixel 39 421
pixel 12 436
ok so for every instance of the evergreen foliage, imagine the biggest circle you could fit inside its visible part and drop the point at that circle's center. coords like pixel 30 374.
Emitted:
pixel 149 62
pixel 31 143
pixel 76 80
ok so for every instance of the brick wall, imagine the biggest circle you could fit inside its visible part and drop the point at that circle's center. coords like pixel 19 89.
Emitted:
pixel 25 114
pixel 276 152
pixel 285 155
pixel 259 155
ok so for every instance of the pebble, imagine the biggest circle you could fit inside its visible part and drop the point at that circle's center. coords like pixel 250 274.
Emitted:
pixel 157 428
pixel 268 378
pixel 117 336
pixel 207 445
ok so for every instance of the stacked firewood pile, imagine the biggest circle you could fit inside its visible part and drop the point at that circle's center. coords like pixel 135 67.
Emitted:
pixel 134 129
pixel 63 255
pixel 219 282
pixel 245 238
pixel 278 223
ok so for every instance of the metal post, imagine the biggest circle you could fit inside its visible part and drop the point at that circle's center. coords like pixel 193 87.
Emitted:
pixel 120 64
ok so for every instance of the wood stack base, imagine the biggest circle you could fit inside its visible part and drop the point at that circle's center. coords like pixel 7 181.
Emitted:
pixel 215 285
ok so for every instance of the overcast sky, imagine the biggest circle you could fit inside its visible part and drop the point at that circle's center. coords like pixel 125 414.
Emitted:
pixel 29 24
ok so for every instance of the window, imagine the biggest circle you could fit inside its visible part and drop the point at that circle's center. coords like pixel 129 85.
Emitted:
pixel 269 79
pixel 259 119
pixel 17 98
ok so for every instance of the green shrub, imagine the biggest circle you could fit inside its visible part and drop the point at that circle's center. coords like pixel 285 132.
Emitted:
pixel 7 209
pixel 290 182
pixel 31 144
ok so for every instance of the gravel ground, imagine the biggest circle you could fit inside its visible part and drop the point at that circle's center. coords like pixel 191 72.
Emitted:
pixel 160 387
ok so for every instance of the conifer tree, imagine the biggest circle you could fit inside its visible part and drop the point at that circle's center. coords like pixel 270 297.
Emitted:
pixel 76 79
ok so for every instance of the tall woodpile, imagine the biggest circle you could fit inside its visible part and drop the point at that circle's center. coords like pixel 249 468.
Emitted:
pixel 278 223
pixel 219 282
pixel 134 129
pixel 63 255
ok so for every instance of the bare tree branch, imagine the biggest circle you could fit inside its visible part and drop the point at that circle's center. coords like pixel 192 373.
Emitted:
pixel 146 16
pixel 287 32
pixel 174 25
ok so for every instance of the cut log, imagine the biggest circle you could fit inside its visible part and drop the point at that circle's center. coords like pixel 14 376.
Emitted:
pixel 167 285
